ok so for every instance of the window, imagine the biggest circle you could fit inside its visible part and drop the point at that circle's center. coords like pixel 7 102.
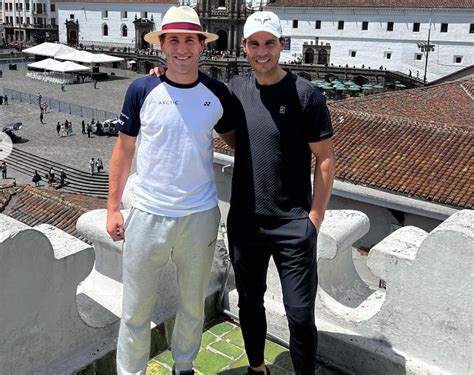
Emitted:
pixel 105 30
pixel 416 27
pixel 444 27
pixel 71 16
pixel 221 4
pixel 124 14
pixel 295 24
pixel 105 14
pixel 365 25
pixel 144 14
pixel 471 28
pixel 318 24
pixel 53 21
pixel 388 55
pixel 124 31
pixel 389 26
pixel 340 25
pixel 418 56
pixel 458 59
pixel 28 6
pixel 352 53
pixel 27 20
pixel 53 8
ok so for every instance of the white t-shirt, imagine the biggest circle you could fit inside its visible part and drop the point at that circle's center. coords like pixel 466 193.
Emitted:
pixel 174 125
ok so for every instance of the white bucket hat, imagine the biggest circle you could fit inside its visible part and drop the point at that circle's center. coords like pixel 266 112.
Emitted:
pixel 263 21
pixel 180 20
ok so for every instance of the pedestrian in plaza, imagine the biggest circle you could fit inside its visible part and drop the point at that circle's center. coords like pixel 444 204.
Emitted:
pixel 51 176
pixel 100 165
pixel 1 99
pixel 41 117
pixel 89 129
pixel 63 130
pixel 91 166
pixel 36 178
pixel 62 87
pixel 83 127
pixel 274 212
pixel 58 128
pixel 40 97
pixel 62 177
pixel 95 83
pixel 3 167
pixel 175 210
pixel 5 99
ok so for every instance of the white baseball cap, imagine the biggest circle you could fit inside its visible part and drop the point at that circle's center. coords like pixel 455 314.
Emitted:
pixel 263 21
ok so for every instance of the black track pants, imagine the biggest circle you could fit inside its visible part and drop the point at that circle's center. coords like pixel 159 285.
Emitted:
pixel 292 243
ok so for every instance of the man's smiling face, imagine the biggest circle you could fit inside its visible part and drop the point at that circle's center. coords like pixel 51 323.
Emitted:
pixel 182 52
pixel 263 52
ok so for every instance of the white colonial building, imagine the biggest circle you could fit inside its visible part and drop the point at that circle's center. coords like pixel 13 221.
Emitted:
pixel 117 23
pixel 379 33
pixel 120 23
pixel 28 20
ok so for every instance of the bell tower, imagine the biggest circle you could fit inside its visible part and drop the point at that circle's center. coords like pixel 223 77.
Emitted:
pixel 225 18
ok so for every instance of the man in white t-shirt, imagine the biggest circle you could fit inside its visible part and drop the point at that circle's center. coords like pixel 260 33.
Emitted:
pixel 169 120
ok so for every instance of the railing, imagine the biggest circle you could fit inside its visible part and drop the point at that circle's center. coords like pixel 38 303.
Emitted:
pixel 59 105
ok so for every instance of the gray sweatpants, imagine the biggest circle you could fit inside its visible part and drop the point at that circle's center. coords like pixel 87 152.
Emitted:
pixel 149 242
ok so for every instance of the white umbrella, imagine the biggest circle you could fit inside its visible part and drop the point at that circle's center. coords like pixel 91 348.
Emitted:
pixel 46 64
pixel 49 49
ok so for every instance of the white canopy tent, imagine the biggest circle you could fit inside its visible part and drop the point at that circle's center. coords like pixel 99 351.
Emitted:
pixel 58 66
pixel 49 49
pixel 89 58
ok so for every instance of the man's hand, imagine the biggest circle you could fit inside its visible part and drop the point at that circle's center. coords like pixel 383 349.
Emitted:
pixel 315 219
pixel 115 225
pixel 157 71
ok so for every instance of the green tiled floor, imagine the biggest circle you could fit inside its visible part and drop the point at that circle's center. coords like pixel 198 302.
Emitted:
pixel 222 352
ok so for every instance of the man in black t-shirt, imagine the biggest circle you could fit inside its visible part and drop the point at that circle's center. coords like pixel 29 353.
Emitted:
pixel 284 121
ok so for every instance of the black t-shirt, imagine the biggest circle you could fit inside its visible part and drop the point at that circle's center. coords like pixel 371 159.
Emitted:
pixel 272 170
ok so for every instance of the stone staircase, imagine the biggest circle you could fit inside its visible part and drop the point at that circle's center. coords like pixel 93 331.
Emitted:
pixel 77 181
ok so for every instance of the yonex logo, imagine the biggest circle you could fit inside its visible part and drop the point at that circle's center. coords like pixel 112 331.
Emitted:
pixel 207 104
pixel 282 110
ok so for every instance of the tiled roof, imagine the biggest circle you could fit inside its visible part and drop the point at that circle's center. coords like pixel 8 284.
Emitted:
pixel 431 161
pixel 465 4
pixel 418 143
pixel 33 206
pixel 449 103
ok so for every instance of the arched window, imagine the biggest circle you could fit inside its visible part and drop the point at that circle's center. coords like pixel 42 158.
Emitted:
pixel 105 30
pixel 323 57
pixel 309 56
pixel 124 31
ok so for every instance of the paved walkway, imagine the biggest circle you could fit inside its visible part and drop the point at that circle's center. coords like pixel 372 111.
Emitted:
pixel 42 139
pixel 222 352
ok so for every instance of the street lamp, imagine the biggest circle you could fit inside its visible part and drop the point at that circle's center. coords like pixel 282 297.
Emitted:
pixel 426 48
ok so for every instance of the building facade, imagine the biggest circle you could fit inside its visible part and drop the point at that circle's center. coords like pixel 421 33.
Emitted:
pixel 117 23
pixel 377 33
pixel 27 21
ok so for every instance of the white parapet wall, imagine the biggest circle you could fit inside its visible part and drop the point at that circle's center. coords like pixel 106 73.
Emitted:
pixel 422 323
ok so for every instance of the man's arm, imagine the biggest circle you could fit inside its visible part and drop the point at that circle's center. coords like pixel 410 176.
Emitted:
pixel 323 179
pixel 119 170
pixel 229 138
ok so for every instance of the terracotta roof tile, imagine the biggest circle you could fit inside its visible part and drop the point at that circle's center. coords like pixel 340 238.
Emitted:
pixel 33 206
pixel 464 4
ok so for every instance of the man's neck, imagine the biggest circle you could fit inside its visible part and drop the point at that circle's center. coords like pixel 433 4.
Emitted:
pixel 270 78
pixel 182 79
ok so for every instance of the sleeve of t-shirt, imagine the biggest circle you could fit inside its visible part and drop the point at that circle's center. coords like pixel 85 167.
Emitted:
pixel 229 105
pixel 129 120
pixel 317 119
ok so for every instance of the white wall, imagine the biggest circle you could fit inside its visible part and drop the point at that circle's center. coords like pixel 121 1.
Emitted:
pixel 91 21
pixel 372 43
